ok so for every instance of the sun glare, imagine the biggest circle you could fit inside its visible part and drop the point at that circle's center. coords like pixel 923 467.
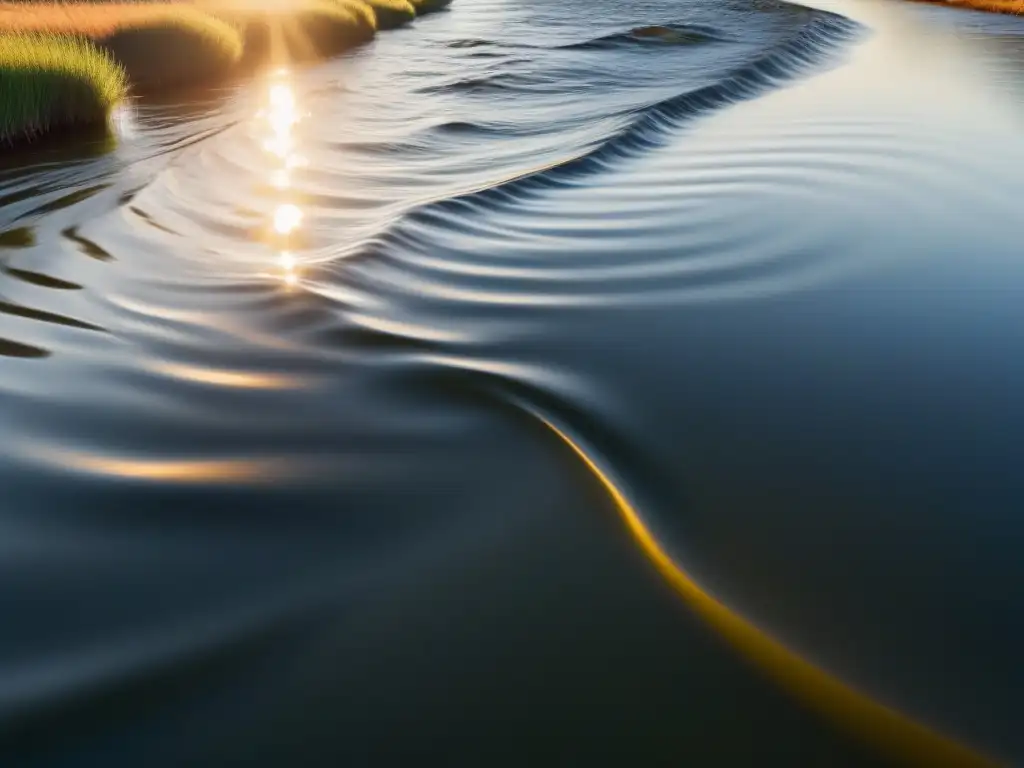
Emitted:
pixel 280 179
pixel 286 218
pixel 281 97
pixel 279 117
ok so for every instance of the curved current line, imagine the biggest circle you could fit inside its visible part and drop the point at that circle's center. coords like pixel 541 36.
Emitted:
pixel 895 732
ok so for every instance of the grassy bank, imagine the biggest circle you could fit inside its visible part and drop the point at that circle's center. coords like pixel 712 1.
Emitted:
pixel 157 44
pixel 54 82
pixel 65 64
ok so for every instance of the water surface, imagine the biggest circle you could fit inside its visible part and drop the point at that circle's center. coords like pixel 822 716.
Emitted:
pixel 288 376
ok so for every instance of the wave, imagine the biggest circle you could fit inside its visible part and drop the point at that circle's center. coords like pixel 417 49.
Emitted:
pixel 652 127
pixel 669 33
pixel 493 84
pixel 674 34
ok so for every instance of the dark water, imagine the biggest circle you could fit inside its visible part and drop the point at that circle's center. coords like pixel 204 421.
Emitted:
pixel 412 407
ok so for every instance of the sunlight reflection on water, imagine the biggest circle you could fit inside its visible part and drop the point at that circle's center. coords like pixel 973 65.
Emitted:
pixel 281 115
pixel 749 280
pixel 286 218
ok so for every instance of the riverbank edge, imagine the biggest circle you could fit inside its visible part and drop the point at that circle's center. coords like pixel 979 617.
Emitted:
pixel 1005 7
pixel 163 55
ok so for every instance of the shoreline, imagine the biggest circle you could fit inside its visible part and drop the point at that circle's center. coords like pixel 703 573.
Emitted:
pixel 69 66
pixel 1004 7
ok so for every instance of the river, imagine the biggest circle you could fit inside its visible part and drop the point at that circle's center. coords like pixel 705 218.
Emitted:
pixel 520 389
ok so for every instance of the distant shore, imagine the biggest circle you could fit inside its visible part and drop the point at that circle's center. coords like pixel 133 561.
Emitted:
pixel 67 66
pixel 1015 7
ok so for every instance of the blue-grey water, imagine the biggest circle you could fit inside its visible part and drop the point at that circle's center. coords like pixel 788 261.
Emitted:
pixel 529 388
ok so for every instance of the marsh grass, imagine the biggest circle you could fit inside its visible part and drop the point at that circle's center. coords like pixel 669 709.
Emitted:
pixel 179 45
pixel 158 44
pixel 54 81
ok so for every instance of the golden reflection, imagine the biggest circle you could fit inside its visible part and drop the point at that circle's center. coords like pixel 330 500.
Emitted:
pixel 169 470
pixel 282 119
pixel 288 268
pixel 905 738
pixel 282 100
pixel 227 378
pixel 281 179
pixel 281 116
pixel 279 144
pixel 286 218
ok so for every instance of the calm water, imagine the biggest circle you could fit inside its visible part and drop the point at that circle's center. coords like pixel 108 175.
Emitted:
pixel 413 407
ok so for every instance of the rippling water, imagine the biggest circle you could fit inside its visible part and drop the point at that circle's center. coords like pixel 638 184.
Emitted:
pixel 521 388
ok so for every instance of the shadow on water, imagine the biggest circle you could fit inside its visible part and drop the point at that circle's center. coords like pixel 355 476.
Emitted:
pixel 85 245
pixel 57 149
pixel 65 201
pixel 19 237
pixel 10 348
pixel 44 281
pixel 17 310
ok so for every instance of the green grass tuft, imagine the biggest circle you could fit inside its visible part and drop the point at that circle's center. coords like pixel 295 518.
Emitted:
pixel 54 82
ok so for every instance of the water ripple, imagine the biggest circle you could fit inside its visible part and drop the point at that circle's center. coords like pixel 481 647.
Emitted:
pixel 270 354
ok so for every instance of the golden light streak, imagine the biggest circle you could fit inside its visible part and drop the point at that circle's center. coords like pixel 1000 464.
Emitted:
pixel 227 378
pixel 168 470
pixel 893 731
pixel 281 115
pixel 282 100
